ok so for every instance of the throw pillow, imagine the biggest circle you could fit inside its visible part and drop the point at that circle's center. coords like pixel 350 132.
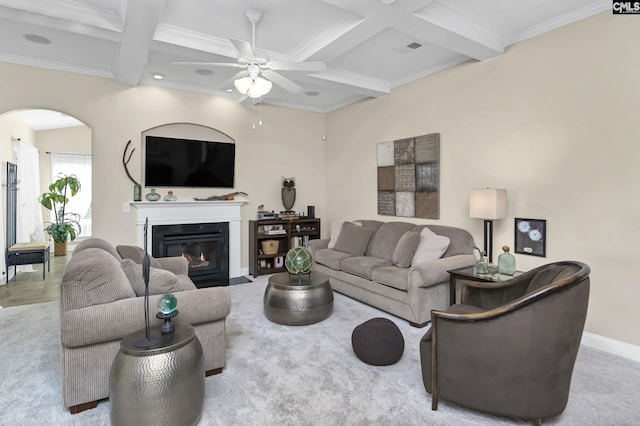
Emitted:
pixel 353 239
pixel 336 227
pixel 405 249
pixel 136 254
pixel 160 281
pixel 432 246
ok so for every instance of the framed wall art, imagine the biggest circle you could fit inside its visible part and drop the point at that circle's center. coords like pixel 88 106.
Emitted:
pixel 531 237
pixel 409 177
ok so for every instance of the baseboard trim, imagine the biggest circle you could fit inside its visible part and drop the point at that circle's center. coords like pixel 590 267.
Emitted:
pixel 612 346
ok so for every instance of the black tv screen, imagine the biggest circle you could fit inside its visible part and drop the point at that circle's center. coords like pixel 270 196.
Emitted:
pixel 189 163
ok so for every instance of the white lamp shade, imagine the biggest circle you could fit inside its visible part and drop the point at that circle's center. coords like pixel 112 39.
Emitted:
pixel 488 203
pixel 254 88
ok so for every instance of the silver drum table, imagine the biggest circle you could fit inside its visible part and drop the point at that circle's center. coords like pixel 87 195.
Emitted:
pixel 298 300
pixel 160 385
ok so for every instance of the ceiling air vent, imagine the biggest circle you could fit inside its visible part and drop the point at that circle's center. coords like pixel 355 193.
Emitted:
pixel 414 45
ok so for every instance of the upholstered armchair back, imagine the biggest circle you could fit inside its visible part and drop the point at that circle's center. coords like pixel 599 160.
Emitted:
pixel 517 359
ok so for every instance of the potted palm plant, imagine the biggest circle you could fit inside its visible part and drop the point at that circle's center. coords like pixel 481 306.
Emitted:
pixel 66 224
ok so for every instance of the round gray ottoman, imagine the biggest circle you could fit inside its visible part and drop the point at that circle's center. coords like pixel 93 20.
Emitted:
pixel 378 341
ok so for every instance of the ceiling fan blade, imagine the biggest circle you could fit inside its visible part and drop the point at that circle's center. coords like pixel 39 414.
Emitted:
pixel 229 83
pixel 281 81
pixel 211 64
pixel 297 66
pixel 245 49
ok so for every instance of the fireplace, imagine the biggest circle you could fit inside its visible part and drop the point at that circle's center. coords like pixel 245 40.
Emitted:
pixel 204 245
pixel 195 212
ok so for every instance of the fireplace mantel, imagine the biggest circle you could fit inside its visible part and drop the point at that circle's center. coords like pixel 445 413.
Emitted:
pixel 179 212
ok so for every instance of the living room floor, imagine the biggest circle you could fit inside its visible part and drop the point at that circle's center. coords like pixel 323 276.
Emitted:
pixel 27 288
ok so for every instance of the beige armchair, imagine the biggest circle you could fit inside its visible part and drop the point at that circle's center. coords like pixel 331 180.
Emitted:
pixel 509 349
pixel 99 307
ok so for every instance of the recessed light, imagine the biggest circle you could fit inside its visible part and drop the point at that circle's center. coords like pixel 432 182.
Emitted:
pixel 34 38
pixel 203 71
pixel 229 90
pixel 157 75
pixel 311 93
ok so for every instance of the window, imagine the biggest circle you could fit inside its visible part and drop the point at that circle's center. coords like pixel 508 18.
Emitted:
pixel 79 165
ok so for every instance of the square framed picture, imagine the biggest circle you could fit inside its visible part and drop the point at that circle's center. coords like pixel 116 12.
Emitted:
pixel 531 237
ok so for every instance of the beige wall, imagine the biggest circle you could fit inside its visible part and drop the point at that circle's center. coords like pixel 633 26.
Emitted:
pixel 555 121
pixel 288 144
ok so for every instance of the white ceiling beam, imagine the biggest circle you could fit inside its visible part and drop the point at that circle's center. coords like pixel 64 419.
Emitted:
pixel 356 83
pixel 109 31
pixel 443 27
pixel 141 19
pixel 185 38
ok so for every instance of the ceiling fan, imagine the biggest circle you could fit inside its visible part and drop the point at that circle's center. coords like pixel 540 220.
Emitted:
pixel 256 79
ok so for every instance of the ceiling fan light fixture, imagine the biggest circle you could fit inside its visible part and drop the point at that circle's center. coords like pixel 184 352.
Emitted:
pixel 253 87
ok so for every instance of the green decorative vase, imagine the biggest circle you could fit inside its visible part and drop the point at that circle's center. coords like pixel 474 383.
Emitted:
pixel 506 262
pixel 298 261
pixel 152 196
pixel 137 192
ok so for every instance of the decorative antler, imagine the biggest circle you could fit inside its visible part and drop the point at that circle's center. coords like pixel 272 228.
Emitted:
pixel 125 161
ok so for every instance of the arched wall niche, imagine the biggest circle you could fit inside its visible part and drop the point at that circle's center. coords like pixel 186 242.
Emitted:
pixel 187 131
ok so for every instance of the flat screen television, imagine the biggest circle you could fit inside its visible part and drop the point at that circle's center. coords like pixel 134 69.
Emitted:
pixel 191 163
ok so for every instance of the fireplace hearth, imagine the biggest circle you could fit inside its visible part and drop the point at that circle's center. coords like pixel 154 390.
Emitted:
pixel 204 245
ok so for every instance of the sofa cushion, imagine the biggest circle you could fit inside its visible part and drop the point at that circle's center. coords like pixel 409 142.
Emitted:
pixel 362 266
pixel 353 239
pixel 387 237
pixel 330 258
pixel 431 246
pixel 336 227
pixel 160 281
pixel 406 248
pixel 391 276
pixel 136 254
pixel 92 277
pixel 460 241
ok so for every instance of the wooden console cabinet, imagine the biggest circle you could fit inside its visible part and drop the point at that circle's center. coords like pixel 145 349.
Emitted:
pixel 285 231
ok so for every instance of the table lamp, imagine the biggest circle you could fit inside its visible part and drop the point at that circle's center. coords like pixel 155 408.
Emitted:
pixel 488 204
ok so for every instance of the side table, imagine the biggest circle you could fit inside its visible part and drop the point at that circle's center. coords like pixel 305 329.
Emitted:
pixel 298 300
pixel 160 385
pixel 468 273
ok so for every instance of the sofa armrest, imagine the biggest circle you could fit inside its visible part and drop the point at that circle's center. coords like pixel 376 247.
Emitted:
pixel 315 245
pixel 176 264
pixel 112 321
pixel 430 272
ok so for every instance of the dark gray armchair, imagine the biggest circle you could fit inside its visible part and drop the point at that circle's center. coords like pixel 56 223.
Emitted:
pixel 509 349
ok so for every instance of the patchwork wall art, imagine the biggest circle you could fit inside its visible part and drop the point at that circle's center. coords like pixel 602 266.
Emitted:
pixel 409 177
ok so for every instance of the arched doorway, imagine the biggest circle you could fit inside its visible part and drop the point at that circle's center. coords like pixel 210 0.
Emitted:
pixel 41 142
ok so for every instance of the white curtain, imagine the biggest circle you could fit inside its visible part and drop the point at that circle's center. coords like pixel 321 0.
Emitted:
pixel 79 165
pixel 29 213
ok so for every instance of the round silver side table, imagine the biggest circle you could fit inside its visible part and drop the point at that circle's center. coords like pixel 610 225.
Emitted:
pixel 298 300
pixel 160 385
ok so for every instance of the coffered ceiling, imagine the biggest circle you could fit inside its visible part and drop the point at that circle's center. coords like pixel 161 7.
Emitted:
pixel 369 46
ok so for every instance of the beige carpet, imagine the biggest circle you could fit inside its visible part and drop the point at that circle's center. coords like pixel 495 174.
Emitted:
pixel 281 375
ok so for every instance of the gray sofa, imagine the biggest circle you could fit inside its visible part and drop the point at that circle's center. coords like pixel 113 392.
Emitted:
pixel 385 275
pixel 99 306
